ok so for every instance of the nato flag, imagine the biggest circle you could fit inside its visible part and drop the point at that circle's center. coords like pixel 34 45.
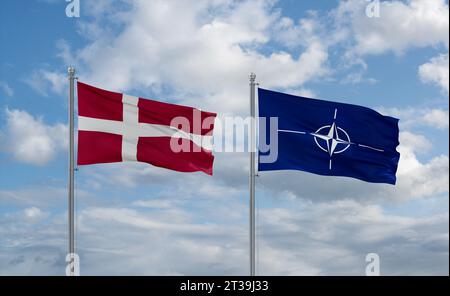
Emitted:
pixel 327 138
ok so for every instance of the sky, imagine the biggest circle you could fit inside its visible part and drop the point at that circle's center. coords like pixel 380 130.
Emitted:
pixel 135 219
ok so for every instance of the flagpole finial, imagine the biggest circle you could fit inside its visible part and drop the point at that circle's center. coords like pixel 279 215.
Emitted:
pixel 71 71
pixel 252 77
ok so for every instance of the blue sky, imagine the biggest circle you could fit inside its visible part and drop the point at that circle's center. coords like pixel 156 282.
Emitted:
pixel 136 219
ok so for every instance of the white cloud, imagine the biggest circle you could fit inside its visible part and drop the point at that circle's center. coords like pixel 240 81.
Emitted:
pixel 44 82
pixel 294 35
pixel 414 142
pixel 34 214
pixel 31 197
pixel 418 179
pixel 437 118
pixel 294 238
pixel 6 89
pixel 64 52
pixel 205 55
pixel 401 25
pixel 46 198
pixel 176 224
pixel 414 116
pixel 30 140
pixel 30 215
pixel 337 235
pixel 436 71
pixel 357 77
pixel 153 203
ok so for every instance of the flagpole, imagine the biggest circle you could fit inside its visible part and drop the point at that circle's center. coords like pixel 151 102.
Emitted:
pixel 252 175
pixel 71 73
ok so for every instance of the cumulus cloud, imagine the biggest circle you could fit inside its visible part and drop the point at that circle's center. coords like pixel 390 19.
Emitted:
pixel 401 25
pixel 341 233
pixel 30 140
pixel 45 82
pixel 412 117
pixel 436 72
pixel 35 197
pixel 294 238
pixel 28 215
pixel 417 179
pixel 206 55
pixel 414 142
pixel 33 213
pixel 437 118
pixel 336 236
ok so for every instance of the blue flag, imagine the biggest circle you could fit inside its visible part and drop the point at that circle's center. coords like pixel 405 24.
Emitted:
pixel 326 138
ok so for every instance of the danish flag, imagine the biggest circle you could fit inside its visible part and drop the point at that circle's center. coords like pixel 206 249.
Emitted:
pixel 115 127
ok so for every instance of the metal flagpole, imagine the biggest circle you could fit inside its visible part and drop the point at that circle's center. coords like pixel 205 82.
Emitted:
pixel 252 174
pixel 71 72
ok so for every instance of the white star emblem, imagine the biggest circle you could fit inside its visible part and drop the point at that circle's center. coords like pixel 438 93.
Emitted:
pixel 332 139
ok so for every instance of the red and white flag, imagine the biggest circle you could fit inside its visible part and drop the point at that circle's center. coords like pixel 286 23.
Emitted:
pixel 114 127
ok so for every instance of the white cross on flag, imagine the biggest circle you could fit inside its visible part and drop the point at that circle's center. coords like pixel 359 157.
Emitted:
pixel 114 127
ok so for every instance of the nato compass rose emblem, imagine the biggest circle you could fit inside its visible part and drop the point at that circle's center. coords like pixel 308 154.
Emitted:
pixel 332 139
